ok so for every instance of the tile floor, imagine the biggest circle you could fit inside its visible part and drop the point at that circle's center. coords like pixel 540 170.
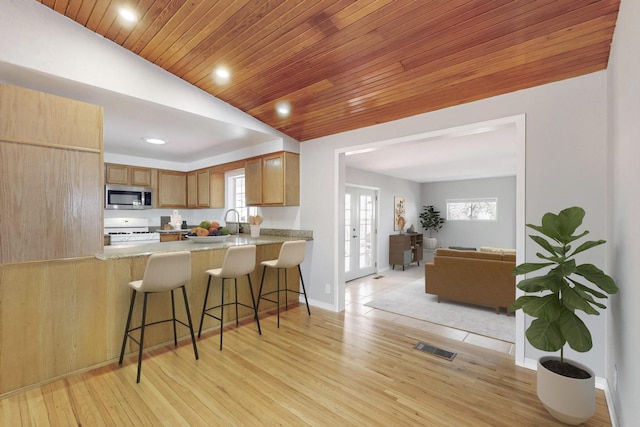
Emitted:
pixel 360 291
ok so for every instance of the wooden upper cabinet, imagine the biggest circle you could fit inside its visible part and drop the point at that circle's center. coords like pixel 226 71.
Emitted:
pixel 127 175
pixel 172 189
pixel 253 182
pixel 273 180
pixel 216 190
pixel 140 176
pixel 51 195
pixel 192 190
pixel 204 186
pixel 205 189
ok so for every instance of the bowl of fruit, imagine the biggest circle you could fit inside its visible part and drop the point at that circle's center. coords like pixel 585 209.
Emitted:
pixel 208 232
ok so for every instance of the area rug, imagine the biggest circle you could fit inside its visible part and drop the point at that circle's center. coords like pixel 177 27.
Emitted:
pixel 410 300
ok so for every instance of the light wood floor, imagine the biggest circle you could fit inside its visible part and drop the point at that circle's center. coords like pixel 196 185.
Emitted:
pixel 355 368
pixel 361 291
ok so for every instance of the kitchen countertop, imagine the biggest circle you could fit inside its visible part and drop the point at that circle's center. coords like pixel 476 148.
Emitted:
pixel 118 252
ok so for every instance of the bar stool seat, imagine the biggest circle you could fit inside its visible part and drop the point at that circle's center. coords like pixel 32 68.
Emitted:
pixel 163 272
pixel 291 255
pixel 239 261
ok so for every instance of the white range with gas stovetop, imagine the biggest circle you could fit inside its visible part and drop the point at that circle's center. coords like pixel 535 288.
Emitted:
pixel 129 231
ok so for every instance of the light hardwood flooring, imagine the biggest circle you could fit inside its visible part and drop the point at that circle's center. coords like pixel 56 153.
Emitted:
pixel 355 368
pixel 361 291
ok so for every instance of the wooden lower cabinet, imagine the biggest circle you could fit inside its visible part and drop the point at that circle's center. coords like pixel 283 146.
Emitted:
pixel 170 237
pixel 69 314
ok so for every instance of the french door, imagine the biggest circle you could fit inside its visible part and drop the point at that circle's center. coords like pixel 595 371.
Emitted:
pixel 360 244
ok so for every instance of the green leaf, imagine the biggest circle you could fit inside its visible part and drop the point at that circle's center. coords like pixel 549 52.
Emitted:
pixel 546 307
pixel 540 283
pixel 567 268
pixel 545 336
pixel 550 233
pixel 567 221
pixel 575 331
pixel 588 245
pixel 586 288
pixel 545 245
pixel 580 290
pixel 573 300
pixel 597 277
pixel 553 259
pixel 528 267
pixel 522 301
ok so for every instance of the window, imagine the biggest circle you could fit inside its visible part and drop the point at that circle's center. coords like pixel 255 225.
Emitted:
pixel 235 195
pixel 472 209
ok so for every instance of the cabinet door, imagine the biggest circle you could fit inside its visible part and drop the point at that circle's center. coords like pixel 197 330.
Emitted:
pixel 192 190
pixel 253 182
pixel 216 186
pixel 172 189
pixel 116 174
pixel 273 179
pixel 203 188
pixel 140 176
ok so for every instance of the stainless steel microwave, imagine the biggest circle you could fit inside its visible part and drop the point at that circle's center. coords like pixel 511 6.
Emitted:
pixel 127 197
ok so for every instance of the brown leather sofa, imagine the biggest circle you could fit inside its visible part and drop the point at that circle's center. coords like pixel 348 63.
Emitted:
pixel 482 278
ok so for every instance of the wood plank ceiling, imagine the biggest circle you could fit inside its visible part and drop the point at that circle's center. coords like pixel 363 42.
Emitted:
pixel 346 64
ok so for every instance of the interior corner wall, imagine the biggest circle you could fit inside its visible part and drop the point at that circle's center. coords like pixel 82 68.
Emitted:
pixel 623 316
pixel 565 166
pixel 499 233
pixel 388 187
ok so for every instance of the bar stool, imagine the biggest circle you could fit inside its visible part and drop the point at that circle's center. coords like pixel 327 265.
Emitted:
pixel 238 261
pixel 291 255
pixel 163 272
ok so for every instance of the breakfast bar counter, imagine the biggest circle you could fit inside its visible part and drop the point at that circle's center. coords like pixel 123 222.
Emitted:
pixel 118 252
pixel 71 312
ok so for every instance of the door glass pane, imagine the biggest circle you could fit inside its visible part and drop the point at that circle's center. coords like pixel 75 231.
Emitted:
pixel 347 233
pixel 366 222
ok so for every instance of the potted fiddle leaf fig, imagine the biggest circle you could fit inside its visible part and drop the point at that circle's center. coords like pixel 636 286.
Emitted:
pixel 566 388
pixel 431 221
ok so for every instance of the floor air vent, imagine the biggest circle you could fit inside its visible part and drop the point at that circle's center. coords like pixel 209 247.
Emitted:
pixel 436 351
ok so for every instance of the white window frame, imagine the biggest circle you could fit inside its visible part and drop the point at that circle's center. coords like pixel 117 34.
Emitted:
pixel 472 201
pixel 231 196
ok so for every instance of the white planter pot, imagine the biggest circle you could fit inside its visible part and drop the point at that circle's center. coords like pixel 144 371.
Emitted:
pixel 570 400
pixel 431 243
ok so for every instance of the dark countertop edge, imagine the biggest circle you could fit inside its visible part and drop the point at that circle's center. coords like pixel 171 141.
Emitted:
pixel 116 252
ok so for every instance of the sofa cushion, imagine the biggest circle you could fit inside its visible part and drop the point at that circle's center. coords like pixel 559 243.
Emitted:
pixel 497 250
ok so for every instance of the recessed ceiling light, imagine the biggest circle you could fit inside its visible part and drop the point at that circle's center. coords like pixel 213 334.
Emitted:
pixel 221 75
pixel 157 141
pixel 283 108
pixel 128 15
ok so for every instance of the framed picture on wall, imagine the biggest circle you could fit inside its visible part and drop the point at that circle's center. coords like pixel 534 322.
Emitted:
pixel 399 212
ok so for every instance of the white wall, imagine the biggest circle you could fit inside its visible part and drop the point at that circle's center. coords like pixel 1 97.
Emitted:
pixel 388 188
pixel 565 166
pixel 500 233
pixel 623 339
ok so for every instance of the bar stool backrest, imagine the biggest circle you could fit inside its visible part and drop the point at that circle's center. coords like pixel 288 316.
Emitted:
pixel 166 271
pixel 291 254
pixel 238 261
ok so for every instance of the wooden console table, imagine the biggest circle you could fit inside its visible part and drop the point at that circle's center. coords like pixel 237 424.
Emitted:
pixel 405 249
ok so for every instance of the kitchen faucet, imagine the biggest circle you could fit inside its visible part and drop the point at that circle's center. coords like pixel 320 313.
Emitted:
pixel 235 229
